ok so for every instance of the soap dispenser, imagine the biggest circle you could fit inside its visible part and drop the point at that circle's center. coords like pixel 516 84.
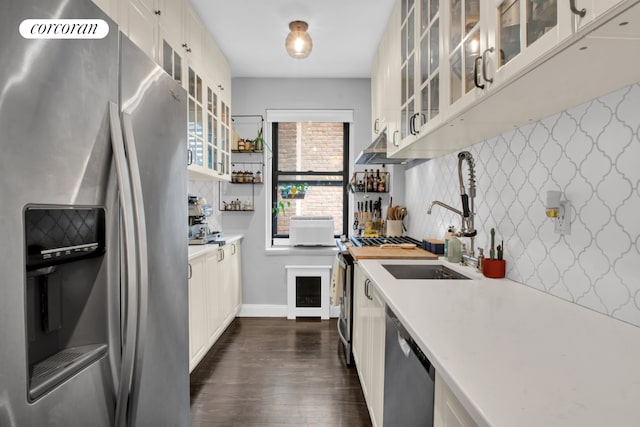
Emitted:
pixel 455 252
pixel 448 236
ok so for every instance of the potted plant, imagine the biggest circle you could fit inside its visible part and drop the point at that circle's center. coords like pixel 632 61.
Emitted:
pixel 279 207
pixel 258 142
pixel 293 191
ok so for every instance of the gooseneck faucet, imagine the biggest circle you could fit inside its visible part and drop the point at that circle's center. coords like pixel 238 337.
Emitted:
pixel 467 229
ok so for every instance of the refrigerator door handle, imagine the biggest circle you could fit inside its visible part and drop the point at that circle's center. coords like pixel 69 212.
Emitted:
pixel 126 203
pixel 142 258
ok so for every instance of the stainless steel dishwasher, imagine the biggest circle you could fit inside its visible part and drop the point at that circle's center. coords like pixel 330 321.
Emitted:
pixel 409 379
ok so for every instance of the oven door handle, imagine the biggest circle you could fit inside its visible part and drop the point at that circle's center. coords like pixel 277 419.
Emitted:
pixel 342 261
pixel 342 338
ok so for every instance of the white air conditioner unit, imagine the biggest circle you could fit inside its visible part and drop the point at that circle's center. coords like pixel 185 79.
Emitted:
pixel 311 231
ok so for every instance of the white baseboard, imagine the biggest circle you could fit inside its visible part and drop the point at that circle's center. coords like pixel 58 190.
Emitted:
pixel 262 310
pixel 273 310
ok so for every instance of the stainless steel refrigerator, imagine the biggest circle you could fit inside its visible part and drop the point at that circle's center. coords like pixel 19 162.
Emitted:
pixel 93 216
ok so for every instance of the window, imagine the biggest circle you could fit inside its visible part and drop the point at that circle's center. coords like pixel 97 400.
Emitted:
pixel 309 172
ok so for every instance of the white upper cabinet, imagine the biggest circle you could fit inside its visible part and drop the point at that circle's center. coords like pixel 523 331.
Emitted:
pixel 218 70
pixel 173 35
pixel 586 11
pixel 466 67
pixel 194 39
pixel 171 18
pixel 139 21
pixel 376 94
pixel 408 59
pixel 465 32
pixel 521 32
pixel 391 100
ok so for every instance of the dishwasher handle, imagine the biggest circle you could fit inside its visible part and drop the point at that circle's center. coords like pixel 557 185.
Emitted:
pixel 404 345
pixel 408 345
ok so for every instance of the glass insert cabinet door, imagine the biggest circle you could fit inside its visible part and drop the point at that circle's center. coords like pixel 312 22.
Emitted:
pixel 521 23
pixel 407 70
pixel 195 123
pixel 429 59
pixel 464 46
pixel 212 131
pixel 225 139
pixel 420 68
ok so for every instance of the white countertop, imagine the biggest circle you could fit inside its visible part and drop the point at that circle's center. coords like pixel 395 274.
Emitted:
pixel 199 250
pixel 515 356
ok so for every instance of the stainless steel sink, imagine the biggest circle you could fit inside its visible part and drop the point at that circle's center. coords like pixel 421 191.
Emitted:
pixel 423 272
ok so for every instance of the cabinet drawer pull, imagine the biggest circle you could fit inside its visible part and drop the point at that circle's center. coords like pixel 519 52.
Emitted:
pixel 394 141
pixel 582 12
pixel 412 125
pixel 376 126
pixel 189 157
pixel 190 272
pixel 366 289
pixel 475 72
pixel 484 64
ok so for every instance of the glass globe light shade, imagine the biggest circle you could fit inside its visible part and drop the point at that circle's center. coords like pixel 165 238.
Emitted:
pixel 298 42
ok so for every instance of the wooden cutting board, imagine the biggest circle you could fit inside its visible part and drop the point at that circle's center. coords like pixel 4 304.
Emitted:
pixel 390 253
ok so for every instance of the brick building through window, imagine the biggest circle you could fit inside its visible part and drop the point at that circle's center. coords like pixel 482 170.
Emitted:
pixel 309 172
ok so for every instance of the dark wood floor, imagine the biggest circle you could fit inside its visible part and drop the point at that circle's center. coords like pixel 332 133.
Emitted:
pixel 277 372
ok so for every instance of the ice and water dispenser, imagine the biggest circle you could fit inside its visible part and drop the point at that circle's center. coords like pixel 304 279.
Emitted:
pixel 66 294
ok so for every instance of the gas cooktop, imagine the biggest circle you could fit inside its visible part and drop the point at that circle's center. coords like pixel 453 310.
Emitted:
pixel 377 241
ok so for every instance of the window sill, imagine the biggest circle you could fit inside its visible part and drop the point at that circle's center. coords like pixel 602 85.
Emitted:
pixel 302 250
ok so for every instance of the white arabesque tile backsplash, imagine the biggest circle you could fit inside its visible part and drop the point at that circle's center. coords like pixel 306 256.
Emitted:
pixel 592 154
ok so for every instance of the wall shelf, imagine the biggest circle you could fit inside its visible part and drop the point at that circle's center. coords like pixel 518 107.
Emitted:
pixel 360 185
pixel 234 196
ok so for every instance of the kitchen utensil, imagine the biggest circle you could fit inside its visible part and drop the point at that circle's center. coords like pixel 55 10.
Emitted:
pixel 394 228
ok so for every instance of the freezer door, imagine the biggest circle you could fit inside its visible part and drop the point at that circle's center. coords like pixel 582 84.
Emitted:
pixel 55 151
pixel 154 112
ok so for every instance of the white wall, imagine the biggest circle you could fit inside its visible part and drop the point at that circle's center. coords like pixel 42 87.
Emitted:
pixel 591 153
pixel 264 276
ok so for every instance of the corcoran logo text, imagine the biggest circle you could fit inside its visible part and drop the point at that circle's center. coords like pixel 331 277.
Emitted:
pixel 64 29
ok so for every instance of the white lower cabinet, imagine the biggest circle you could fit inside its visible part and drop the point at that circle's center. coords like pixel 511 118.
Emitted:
pixel 215 296
pixel 215 318
pixel 368 343
pixel 448 411
pixel 197 310
pixel 231 283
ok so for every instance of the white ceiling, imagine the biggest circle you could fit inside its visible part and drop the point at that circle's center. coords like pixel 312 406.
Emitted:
pixel 251 35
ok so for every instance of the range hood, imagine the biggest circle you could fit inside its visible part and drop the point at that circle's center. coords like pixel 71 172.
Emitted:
pixel 376 153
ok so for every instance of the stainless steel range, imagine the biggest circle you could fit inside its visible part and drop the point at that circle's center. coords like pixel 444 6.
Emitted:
pixel 346 261
pixel 377 241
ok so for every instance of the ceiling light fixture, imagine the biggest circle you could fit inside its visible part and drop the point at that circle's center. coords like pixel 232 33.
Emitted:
pixel 298 42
